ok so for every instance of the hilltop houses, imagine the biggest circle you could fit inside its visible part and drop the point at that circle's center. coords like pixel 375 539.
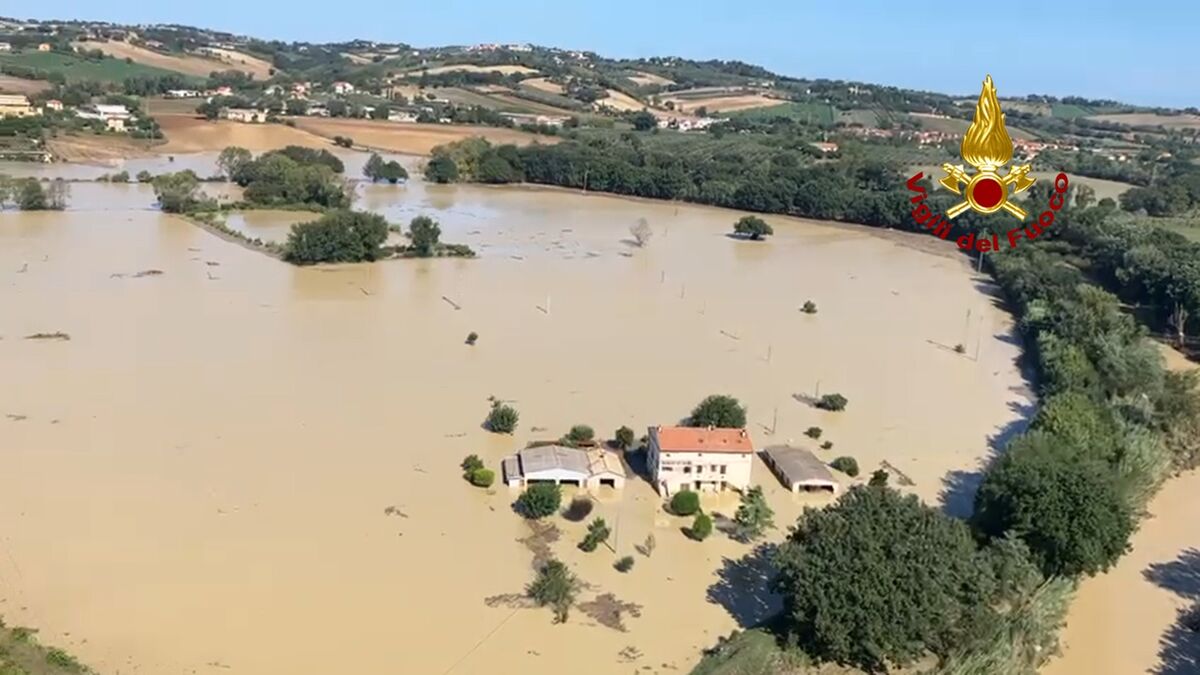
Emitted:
pixel 701 459
pixel 113 116
pixel 343 88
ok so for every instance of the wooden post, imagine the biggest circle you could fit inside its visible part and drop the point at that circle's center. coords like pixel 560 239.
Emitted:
pixel 768 353
pixel 662 278
pixel 818 394
pixel 775 421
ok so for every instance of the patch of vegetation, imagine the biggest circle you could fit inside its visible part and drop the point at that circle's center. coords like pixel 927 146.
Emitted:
pixel 719 411
pixel 624 438
pixel 754 516
pixel 813 432
pixel 580 508
pixel 337 237
pixel 555 586
pixel 827 445
pixel 377 169
pixel 580 434
pixel 847 465
pixel 832 402
pixel 502 418
pixel 701 527
pixel 73 68
pixel 685 503
pixel 624 564
pixel 597 534
pixel 28 194
pixel 752 227
pixel 540 500
pixel 879 478
pixel 809 307
pixel 472 337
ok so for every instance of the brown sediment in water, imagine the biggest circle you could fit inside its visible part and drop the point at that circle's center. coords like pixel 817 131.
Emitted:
pixel 215 488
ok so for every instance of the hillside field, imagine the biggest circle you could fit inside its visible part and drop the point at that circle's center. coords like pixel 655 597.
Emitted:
pixel 76 69
pixel 820 113
pixel 186 64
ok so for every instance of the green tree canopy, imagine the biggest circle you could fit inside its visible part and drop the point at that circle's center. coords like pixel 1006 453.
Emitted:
pixel 540 500
pixel 337 236
pixel 752 227
pixel 879 579
pixel 719 411
pixel 1066 505
pixel 441 169
pixel 424 233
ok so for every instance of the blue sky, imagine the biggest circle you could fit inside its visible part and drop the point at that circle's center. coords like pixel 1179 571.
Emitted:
pixel 1138 52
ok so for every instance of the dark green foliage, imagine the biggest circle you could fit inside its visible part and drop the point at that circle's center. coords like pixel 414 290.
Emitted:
pixel 754 516
pixel 502 418
pixel 827 445
pixel 555 586
pixel 580 433
pixel 391 171
pixel 470 464
pixel 337 236
pixel 832 402
pixel 1065 504
pixel 539 500
pixel 144 176
pixel 293 175
pixel 178 192
pixel 813 432
pixel 644 120
pixel 233 161
pixel 847 465
pixel 441 169
pixel 424 232
pixel 879 478
pixel 685 503
pixel 472 337
pixel 752 227
pixel 719 411
pixel 580 508
pixel 701 527
pixel 879 579
pixel 809 307
pixel 483 477
pixel 343 141
pixel 624 564
pixel 494 169
pixel 624 438
pixel 597 534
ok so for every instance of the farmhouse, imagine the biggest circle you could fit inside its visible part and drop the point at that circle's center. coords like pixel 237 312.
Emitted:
pixel 182 93
pixel 799 469
pixel 44 47
pixel 15 105
pixel 246 115
pixel 343 88
pixel 826 148
pixel 54 104
pixel 406 116
pixel 113 116
pixel 536 120
pixel 702 459
pixel 562 465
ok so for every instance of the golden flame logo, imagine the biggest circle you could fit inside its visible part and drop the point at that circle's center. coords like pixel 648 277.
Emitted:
pixel 987 147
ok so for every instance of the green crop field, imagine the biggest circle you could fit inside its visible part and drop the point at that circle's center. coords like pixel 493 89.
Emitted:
pixel 816 113
pixel 1069 111
pixel 77 69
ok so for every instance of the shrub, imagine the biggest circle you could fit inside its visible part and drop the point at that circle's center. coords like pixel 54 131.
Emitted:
pixel 470 464
pixel 847 465
pixel 424 233
pixel 441 169
pixel 701 527
pixel 809 307
pixel 144 176
pixel 178 192
pixel 752 227
pixel 555 586
pixel 641 232
pixel 597 534
pixel 624 438
pixel 832 402
pixel 57 657
pixel 337 236
pixel 960 349
pixel 827 445
pixel 376 169
pixel 580 508
pixel 624 564
pixel 719 411
pixel 879 478
pixel 539 500
pixel 472 337
pixel 580 433
pixel 343 141
pixel 502 419
pixel 813 432
pixel 685 503
pixel 754 516
pixel 483 477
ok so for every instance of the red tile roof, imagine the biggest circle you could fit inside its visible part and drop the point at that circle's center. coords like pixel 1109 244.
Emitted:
pixel 703 439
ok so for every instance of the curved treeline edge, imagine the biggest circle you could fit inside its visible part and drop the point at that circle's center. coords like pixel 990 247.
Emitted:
pixel 1063 498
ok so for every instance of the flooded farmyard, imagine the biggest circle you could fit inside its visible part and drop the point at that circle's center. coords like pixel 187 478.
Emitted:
pixel 242 465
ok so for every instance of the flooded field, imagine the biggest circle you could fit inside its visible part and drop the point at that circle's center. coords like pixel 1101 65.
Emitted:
pixel 241 466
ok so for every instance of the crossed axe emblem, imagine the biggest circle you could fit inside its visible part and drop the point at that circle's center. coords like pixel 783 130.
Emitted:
pixel 956 176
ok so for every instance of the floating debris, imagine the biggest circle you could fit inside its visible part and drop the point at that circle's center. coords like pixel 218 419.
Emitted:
pixel 17 418
pixel 57 335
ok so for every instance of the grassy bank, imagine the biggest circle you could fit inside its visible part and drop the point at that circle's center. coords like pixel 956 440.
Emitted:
pixel 20 654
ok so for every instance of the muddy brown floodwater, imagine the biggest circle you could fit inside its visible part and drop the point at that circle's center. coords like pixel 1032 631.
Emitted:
pixel 197 480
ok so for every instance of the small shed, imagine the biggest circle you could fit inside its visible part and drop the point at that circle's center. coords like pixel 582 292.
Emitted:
pixel 605 468
pixel 546 464
pixel 799 469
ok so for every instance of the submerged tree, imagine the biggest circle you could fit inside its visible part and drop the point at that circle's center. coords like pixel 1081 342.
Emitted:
pixel 641 232
pixel 424 233
pixel 754 516
pixel 752 227
pixel 556 587
pixel 719 411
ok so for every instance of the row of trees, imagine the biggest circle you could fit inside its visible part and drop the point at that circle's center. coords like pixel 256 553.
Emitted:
pixel 28 194
pixel 290 176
